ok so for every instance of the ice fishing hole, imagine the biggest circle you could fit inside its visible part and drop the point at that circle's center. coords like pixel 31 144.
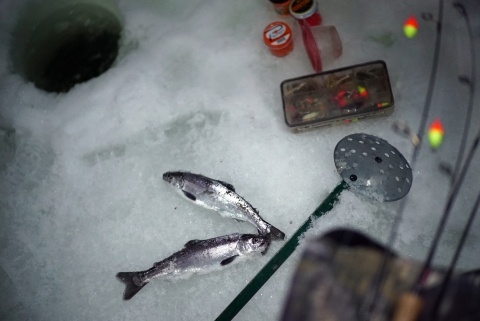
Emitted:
pixel 58 44
pixel 353 177
pixel 378 159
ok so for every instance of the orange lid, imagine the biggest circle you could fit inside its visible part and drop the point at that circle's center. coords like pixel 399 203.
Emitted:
pixel 277 35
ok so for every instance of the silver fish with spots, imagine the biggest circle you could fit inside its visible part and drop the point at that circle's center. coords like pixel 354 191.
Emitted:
pixel 221 197
pixel 197 257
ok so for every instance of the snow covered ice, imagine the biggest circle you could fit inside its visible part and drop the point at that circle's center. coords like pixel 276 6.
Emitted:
pixel 194 88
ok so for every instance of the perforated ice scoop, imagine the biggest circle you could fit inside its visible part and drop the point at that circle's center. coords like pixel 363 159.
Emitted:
pixel 373 167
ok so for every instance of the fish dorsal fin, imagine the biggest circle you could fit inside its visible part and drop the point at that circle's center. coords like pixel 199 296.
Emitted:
pixel 192 242
pixel 227 185
pixel 228 261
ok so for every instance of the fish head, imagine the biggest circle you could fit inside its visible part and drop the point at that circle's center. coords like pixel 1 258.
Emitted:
pixel 174 179
pixel 250 243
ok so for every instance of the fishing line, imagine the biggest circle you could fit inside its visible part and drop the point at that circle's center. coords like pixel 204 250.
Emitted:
pixel 418 285
pixel 471 83
pixel 446 214
pixel 371 298
pixel 448 275
pixel 457 183
pixel 464 170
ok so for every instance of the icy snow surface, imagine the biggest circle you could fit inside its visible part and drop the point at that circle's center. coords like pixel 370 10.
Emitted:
pixel 195 88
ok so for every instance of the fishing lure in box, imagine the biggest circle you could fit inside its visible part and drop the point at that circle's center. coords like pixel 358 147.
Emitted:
pixel 337 96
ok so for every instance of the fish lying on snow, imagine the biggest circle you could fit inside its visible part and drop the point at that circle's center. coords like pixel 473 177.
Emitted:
pixel 198 256
pixel 221 197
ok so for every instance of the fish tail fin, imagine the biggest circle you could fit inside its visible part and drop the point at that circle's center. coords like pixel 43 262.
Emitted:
pixel 275 233
pixel 130 287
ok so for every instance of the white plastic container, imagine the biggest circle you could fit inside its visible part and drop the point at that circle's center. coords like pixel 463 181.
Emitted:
pixel 322 44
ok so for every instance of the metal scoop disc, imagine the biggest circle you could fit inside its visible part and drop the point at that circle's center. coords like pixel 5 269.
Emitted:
pixel 373 167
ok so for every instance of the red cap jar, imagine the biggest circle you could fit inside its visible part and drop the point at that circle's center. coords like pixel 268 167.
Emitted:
pixel 306 10
pixel 278 38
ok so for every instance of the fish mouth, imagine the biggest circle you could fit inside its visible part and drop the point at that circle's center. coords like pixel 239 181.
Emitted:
pixel 167 177
pixel 264 251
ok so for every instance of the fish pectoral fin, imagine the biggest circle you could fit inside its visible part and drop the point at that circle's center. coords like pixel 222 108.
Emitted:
pixel 192 242
pixel 189 195
pixel 228 261
pixel 227 185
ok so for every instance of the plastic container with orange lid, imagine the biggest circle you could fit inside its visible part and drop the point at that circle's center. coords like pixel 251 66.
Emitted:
pixel 282 7
pixel 278 38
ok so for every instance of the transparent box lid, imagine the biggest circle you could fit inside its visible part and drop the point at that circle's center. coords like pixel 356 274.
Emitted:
pixel 337 94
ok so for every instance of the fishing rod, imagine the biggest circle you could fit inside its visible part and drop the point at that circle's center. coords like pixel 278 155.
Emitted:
pixel 368 306
pixel 448 275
